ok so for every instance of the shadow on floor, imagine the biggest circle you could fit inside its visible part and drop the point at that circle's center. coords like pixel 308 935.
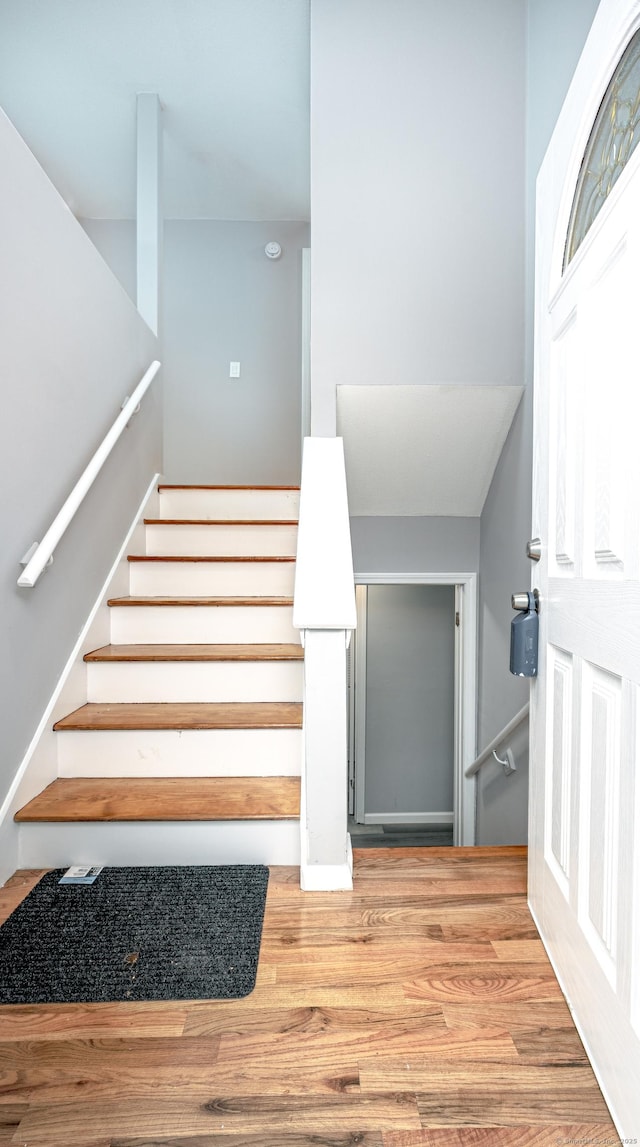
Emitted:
pixel 399 836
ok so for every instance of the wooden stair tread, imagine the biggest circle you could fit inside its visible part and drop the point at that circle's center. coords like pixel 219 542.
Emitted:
pixel 185 715
pixel 199 601
pixel 221 522
pixel 205 487
pixel 205 558
pixel 284 652
pixel 165 799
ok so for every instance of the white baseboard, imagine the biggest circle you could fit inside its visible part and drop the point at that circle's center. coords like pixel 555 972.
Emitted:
pixel 428 818
pixel 39 766
pixel 328 877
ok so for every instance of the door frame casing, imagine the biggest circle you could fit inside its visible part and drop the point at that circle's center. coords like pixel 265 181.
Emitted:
pixel 465 690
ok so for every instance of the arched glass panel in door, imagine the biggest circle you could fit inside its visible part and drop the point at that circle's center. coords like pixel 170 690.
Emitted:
pixel 614 137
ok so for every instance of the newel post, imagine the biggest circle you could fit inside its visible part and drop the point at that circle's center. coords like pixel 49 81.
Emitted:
pixel 326 861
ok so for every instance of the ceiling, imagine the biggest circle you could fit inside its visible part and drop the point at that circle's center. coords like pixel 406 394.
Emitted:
pixel 423 450
pixel 233 78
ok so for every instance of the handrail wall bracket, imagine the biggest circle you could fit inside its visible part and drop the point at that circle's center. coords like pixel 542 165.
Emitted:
pixel 502 736
pixel 26 558
pixel 508 764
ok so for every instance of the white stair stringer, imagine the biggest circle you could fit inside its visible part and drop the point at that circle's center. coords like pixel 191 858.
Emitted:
pixel 179 752
pixel 194 681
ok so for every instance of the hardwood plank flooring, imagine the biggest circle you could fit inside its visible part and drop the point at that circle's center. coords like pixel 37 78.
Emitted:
pixel 165 798
pixel 220 522
pixel 199 602
pixel 279 1138
pixel 170 487
pixel 208 558
pixel 592 1134
pixel 185 715
pixel 419 1009
pixel 283 652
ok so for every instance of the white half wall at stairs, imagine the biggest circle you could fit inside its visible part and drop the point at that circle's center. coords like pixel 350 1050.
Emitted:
pixel 72 344
pixel 423 450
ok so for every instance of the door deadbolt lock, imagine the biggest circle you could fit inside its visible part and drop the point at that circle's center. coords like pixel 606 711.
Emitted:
pixel 534 549
pixel 524 602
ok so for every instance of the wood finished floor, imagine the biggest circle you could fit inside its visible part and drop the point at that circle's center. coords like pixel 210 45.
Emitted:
pixel 164 798
pixel 419 1009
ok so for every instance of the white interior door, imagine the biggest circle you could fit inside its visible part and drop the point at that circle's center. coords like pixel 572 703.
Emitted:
pixel 585 753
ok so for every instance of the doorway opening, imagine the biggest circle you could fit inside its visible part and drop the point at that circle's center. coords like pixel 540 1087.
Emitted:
pixel 412 708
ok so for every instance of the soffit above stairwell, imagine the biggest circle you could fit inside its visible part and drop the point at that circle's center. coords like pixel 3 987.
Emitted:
pixel 428 451
pixel 233 78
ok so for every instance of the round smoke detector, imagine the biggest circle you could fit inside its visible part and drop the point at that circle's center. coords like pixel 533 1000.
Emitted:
pixel 273 250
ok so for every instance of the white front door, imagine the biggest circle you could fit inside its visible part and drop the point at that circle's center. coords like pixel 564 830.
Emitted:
pixel 585 753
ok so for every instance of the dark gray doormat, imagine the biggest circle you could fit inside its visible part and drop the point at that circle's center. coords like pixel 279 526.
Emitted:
pixel 136 934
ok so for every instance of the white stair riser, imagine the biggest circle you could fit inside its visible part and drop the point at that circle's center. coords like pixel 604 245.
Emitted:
pixel 211 579
pixel 221 624
pixel 161 842
pixel 183 681
pixel 179 753
pixel 212 504
pixel 221 541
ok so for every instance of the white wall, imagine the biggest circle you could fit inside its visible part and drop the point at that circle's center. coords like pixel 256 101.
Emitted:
pixel 224 301
pixel 417 185
pixel 72 346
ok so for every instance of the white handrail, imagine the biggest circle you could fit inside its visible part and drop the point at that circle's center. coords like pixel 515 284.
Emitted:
pixel 501 737
pixel 44 551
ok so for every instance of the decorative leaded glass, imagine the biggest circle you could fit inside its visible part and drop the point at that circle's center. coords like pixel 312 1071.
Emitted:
pixel 614 137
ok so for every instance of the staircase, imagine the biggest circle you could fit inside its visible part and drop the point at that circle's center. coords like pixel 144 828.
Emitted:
pixel 189 747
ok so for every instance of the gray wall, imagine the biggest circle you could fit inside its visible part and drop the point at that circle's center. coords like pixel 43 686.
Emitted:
pixel 417 175
pixel 225 301
pixel 115 239
pixel 502 801
pixel 556 32
pixel 422 270
pixel 422 234
pixel 410 699
pixel 415 545
pixel 71 347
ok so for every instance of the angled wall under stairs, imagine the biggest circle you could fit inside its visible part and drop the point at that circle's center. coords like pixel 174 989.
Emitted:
pixel 189 747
